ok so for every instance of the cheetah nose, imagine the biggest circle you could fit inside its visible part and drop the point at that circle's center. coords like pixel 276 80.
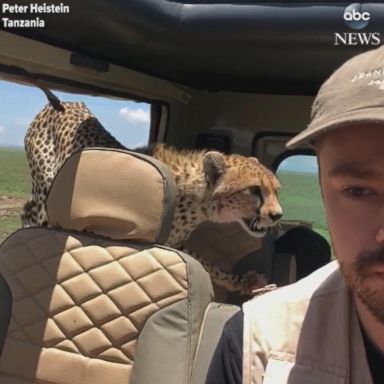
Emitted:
pixel 275 216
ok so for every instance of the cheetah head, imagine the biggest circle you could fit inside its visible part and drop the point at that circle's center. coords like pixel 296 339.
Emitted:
pixel 243 190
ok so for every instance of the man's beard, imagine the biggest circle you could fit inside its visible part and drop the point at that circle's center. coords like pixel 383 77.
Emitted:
pixel 358 275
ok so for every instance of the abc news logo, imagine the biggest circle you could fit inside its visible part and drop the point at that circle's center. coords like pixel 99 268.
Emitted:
pixel 356 18
pixel 355 15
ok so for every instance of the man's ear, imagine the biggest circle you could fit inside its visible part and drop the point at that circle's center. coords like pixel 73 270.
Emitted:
pixel 214 167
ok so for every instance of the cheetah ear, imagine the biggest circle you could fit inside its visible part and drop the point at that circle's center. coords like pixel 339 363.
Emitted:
pixel 254 159
pixel 214 167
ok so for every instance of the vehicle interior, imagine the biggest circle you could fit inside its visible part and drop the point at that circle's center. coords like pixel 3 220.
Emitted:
pixel 98 298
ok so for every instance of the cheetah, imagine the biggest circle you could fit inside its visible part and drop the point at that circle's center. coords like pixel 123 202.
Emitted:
pixel 210 185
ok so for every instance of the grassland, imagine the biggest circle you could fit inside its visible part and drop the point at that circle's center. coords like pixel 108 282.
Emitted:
pixel 14 188
pixel 301 199
pixel 300 195
pixel 14 173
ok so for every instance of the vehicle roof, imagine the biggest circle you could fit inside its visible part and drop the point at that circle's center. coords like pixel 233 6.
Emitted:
pixel 261 47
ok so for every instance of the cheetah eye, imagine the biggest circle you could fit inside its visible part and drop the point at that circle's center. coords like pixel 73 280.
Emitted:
pixel 255 190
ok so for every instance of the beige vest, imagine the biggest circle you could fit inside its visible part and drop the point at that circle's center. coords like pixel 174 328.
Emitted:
pixel 305 333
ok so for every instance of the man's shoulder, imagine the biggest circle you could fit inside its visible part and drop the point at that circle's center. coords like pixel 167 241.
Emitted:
pixel 276 318
pixel 325 281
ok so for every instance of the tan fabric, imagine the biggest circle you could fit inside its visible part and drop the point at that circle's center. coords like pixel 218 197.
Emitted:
pixel 224 245
pixel 352 95
pixel 168 342
pixel 113 193
pixel 218 242
pixel 79 305
pixel 215 318
pixel 305 333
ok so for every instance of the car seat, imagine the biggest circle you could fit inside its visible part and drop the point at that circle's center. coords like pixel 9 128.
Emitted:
pixel 97 298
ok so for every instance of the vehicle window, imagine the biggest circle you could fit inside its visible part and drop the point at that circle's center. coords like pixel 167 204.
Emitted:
pixel 300 194
pixel 128 121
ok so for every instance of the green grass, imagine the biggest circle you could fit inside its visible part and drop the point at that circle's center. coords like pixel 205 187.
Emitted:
pixel 14 173
pixel 15 186
pixel 301 199
pixel 8 225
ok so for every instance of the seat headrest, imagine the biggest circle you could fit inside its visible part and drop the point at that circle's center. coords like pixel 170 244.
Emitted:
pixel 113 193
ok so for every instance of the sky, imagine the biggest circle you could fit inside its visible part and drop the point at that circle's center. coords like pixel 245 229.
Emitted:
pixel 128 121
pixel 299 163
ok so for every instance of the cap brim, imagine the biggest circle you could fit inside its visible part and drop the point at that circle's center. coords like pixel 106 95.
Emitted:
pixel 367 116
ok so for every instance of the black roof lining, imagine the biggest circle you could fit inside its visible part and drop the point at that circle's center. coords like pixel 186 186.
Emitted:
pixel 263 47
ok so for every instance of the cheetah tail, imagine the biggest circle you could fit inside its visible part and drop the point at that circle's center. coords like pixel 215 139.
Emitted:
pixel 53 99
pixel 32 78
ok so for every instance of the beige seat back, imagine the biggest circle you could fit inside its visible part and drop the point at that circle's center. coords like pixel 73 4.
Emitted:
pixel 98 300
pixel 5 310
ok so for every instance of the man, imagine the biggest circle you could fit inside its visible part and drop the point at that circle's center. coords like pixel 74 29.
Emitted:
pixel 327 328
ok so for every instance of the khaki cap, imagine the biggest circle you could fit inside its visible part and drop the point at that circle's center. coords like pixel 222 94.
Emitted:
pixel 353 94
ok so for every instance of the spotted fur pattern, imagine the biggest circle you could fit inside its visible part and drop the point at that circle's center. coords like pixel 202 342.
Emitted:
pixel 210 185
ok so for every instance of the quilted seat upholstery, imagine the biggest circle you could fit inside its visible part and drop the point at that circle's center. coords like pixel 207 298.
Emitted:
pixel 91 309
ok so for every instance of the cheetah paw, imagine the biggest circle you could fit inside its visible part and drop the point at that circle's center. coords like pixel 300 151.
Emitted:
pixel 252 282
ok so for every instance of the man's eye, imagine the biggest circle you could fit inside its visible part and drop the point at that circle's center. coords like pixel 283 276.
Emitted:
pixel 358 192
